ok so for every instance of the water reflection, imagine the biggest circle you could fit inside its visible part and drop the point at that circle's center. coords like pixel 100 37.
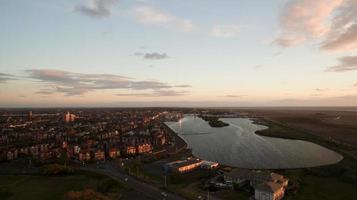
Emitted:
pixel 237 145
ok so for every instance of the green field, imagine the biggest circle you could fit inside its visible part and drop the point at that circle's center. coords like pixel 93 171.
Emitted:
pixel 20 187
pixel 334 182
pixel 314 187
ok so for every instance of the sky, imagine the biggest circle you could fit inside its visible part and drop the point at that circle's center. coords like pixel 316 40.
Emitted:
pixel 178 53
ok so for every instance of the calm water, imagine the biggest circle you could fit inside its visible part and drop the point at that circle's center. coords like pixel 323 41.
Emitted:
pixel 237 145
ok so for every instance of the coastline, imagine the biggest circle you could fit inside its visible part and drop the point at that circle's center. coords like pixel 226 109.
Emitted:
pixel 180 143
pixel 341 157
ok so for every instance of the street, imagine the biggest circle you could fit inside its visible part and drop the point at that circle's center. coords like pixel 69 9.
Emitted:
pixel 147 190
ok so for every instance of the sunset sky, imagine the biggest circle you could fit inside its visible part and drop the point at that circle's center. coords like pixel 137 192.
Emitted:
pixel 178 53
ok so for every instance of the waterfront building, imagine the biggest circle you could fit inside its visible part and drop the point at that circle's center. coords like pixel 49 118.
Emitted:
pixel 183 166
pixel 269 191
pixel 209 165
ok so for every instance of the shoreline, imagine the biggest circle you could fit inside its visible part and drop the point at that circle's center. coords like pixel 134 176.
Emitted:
pixel 259 122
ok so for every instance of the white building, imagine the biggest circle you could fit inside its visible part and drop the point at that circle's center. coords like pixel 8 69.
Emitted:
pixel 269 191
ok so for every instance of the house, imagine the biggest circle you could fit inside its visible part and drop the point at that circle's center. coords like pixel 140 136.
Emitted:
pixel 144 148
pixel 130 150
pixel 269 191
pixel 11 155
pixel 114 153
pixel 84 156
pixel 99 155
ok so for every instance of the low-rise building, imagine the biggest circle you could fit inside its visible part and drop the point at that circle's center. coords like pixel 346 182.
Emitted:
pixel 238 176
pixel 268 185
pixel 269 191
pixel 99 155
pixel 209 165
pixel 183 166
pixel 114 153
pixel 144 148
pixel 84 156
pixel 129 150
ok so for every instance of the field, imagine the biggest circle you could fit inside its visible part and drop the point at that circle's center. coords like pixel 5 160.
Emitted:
pixel 314 187
pixel 334 130
pixel 33 187
pixel 339 126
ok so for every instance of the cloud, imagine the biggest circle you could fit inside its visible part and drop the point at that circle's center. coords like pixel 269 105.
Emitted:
pixel 153 56
pixel 153 16
pixel 301 20
pixel 6 77
pixel 225 31
pixel 343 32
pixel 156 93
pixel 70 83
pixel 345 41
pixel 183 86
pixel 347 63
pixel 320 89
pixel 232 96
pixel 97 8
pixel 332 22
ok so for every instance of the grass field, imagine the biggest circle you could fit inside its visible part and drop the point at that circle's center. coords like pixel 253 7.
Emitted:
pixel 314 187
pixel 19 187
pixel 328 182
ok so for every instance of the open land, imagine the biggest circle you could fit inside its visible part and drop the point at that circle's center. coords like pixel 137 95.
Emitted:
pixel 336 130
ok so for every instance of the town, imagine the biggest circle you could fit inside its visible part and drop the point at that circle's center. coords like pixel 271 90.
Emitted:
pixel 135 143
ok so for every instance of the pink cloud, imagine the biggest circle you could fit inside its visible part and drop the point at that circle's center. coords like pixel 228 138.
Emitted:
pixel 305 19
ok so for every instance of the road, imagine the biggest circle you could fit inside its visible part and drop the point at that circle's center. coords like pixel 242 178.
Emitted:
pixel 147 190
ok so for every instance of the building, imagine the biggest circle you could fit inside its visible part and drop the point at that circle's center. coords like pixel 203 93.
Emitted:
pixel 129 150
pixel 114 153
pixel 99 155
pixel 11 155
pixel 144 148
pixel 240 176
pixel 209 165
pixel 183 166
pixel 69 117
pixel 84 156
pixel 76 149
pixel 266 176
pixel 269 191
pixel 30 115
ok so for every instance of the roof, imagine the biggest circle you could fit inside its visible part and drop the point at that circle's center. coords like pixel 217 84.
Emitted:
pixel 269 187
pixel 268 176
pixel 181 163
pixel 205 162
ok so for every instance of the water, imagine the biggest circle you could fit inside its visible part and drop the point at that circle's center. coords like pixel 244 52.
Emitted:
pixel 238 145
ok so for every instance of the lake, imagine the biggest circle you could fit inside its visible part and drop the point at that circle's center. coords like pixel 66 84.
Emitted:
pixel 238 145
